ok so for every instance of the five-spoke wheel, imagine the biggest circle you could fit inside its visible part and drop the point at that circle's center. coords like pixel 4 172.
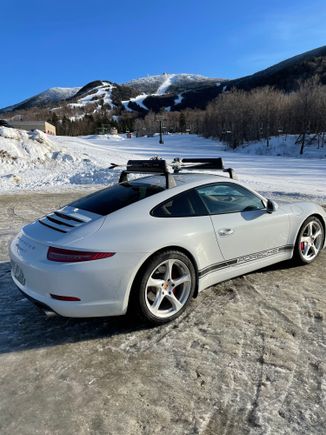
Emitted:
pixel 166 286
pixel 310 241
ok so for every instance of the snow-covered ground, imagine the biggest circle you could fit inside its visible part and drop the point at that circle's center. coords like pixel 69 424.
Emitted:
pixel 285 146
pixel 71 162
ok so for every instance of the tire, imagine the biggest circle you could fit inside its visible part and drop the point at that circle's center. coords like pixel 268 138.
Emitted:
pixel 164 288
pixel 309 242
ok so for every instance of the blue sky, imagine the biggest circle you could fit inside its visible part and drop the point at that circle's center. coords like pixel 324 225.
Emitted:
pixel 72 42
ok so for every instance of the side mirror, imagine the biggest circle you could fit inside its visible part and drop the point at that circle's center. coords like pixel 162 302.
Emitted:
pixel 271 206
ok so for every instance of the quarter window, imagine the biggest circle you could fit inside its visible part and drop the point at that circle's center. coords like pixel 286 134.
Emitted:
pixel 228 198
pixel 184 205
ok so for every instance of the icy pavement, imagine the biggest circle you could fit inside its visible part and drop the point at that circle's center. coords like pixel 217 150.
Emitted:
pixel 247 357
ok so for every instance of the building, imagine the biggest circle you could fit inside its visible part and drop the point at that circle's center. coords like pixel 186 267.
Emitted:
pixel 44 126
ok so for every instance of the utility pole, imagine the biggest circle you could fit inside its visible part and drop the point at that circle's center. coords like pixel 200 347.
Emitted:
pixel 161 133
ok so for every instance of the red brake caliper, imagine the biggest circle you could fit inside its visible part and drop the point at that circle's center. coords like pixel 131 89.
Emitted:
pixel 302 246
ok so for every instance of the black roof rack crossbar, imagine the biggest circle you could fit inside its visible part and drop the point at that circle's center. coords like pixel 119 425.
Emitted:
pixel 202 163
pixel 211 163
pixel 144 166
pixel 154 166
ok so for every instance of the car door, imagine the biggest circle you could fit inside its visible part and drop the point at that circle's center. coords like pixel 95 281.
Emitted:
pixel 187 224
pixel 242 225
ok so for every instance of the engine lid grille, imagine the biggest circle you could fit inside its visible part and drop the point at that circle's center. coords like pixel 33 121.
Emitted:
pixel 67 219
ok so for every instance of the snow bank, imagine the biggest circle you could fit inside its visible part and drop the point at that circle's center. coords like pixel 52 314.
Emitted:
pixel 31 160
pixel 23 154
pixel 285 146
pixel 32 145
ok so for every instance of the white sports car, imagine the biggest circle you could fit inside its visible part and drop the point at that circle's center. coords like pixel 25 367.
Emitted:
pixel 150 244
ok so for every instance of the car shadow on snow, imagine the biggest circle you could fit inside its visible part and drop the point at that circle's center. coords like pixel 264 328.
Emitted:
pixel 23 326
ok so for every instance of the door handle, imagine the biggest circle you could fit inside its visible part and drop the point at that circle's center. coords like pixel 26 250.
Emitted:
pixel 225 232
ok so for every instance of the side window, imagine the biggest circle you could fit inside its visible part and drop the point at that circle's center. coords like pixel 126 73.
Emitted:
pixel 184 205
pixel 228 198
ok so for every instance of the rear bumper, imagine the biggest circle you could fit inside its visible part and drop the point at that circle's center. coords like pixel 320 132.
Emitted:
pixel 72 309
pixel 102 286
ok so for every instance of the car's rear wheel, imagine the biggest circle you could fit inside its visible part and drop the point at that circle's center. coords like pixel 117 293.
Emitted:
pixel 165 287
pixel 310 241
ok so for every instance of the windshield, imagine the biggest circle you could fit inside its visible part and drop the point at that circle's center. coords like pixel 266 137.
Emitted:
pixel 115 197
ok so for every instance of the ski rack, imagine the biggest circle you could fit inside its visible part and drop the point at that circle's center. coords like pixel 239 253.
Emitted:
pixel 159 166
pixel 153 166
pixel 201 163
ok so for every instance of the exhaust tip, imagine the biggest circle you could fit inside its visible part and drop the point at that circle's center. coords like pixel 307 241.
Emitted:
pixel 50 313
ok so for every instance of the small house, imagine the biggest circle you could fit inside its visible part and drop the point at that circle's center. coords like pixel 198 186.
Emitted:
pixel 44 126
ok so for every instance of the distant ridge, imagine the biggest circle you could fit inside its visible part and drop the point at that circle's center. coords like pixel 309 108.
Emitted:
pixel 173 92
pixel 50 96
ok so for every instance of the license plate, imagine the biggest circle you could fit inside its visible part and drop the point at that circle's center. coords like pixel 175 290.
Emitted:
pixel 18 274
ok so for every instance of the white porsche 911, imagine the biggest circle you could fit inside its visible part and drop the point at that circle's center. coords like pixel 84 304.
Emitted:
pixel 150 244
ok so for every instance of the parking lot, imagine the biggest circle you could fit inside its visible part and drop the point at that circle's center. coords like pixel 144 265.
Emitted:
pixel 249 356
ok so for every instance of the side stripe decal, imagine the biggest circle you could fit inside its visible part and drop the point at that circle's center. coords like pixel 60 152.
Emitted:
pixel 244 259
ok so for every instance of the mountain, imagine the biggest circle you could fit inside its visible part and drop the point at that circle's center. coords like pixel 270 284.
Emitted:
pixel 288 74
pixel 172 92
pixel 48 97
pixel 170 83
pixel 285 75
pixel 129 96
pixel 101 93
pixel 166 90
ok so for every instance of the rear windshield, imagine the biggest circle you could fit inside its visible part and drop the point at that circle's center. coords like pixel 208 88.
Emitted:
pixel 113 198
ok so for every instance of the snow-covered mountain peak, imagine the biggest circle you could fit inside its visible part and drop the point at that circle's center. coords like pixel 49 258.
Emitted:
pixel 166 83
pixel 50 96
pixel 59 93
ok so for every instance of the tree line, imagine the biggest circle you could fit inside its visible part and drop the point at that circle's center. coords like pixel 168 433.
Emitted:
pixel 238 116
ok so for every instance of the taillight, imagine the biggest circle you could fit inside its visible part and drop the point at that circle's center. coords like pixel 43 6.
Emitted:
pixel 69 256
pixel 64 298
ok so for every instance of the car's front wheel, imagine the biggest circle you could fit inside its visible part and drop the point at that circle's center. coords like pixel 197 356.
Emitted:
pixel 309 242
pixel 165 287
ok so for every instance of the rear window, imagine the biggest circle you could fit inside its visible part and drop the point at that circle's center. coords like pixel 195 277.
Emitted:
pixel 115 197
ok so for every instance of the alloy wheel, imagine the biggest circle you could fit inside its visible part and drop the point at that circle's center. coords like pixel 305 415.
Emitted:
pixel 168 288
pixel 311 240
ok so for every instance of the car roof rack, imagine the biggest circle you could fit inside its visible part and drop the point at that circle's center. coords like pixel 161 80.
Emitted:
pixel 190 164
pixel 159 166
pixel 153 166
